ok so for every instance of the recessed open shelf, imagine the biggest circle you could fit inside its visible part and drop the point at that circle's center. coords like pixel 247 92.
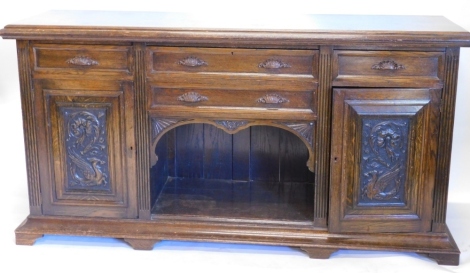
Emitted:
pixel 257 174
pixel 287 201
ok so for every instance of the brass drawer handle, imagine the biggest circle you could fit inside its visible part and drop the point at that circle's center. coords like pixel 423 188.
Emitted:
pixel 192 61
pixel 272 99
pixel 82 61
pixel 192 97
pixel 388 65
pixel 273 64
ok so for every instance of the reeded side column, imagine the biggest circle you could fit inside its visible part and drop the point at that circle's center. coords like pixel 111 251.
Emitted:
pixel 445 139
pixel 29 129
pixel 323 143
pixel 141 133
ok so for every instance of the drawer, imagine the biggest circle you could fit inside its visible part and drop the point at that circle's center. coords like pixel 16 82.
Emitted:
pixel 52 59
pixel 177 99
pixel 388 68
pixel 232 60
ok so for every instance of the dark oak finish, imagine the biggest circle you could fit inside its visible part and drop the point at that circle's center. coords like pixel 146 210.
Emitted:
pixel 85 129
pixel 227 60
pixel 302 236
pixel 141 244
pixel 30 139
pixel 383 159
pixel 260 30
pixel 224 199
pixel 388 68
pixel 445 139
pixel 319 253
pixel 445 259
pixel 323 133
pixel 322 145
pixel 175 99
pixel 82 60
pixel 142 175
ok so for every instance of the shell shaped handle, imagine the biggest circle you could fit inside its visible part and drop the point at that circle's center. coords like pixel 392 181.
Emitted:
pixel 273 64
pixel 192 97
pixel 192 61
pixel 388 65
pixel 82 61
pixel 272 99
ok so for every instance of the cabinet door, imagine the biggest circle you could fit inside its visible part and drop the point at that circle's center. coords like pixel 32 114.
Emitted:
pixel 383 159
pixel 86 137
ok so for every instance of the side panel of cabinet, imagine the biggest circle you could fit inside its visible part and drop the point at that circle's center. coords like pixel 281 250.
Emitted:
pixel 85 130
pixel 383 159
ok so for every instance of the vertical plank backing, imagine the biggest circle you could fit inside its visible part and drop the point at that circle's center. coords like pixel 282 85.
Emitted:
pixel 159 172
pixel 217 153
pixel 264 156
pixel 171 141
pixel 293 155
pixel 241 155
pixel 190 151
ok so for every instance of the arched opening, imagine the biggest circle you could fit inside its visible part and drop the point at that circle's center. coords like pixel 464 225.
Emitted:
pixel 258 173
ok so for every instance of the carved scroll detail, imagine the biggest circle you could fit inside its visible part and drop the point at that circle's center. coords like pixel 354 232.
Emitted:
pixel 192 97
pixel 384 153
pixel 86 149
pixel 273 64
pixel 82 61
pixel 192 61
pixel 304 129
pixel 231 125
pixel 272 99
pixel 388 65
pixel 158 125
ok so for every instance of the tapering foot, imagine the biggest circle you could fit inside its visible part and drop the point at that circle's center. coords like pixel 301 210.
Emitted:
pixel 445 258
pixel 319 253
pixel 27 239
pixel 141 244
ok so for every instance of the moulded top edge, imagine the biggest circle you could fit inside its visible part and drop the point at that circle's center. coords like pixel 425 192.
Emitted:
pixel 142 25
pixel 247 21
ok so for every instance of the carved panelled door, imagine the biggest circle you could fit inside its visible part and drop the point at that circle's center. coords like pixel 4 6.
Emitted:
pixel 383 159
pixel 89 138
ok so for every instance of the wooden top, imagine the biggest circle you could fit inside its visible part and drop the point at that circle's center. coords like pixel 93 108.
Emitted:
pixel 257 28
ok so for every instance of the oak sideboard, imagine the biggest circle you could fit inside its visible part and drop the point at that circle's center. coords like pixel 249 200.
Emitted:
pixel 322 132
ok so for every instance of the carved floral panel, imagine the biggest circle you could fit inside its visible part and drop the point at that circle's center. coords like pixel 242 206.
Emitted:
pixel 383 161
pixel 86 149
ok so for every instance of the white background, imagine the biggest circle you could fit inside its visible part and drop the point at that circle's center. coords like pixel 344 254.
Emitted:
pixel 75 254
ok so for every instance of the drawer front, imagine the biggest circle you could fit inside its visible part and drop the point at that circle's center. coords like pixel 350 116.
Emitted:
pixel 82 59
pixel 226 60
pixel 388 68
pixel 232 98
